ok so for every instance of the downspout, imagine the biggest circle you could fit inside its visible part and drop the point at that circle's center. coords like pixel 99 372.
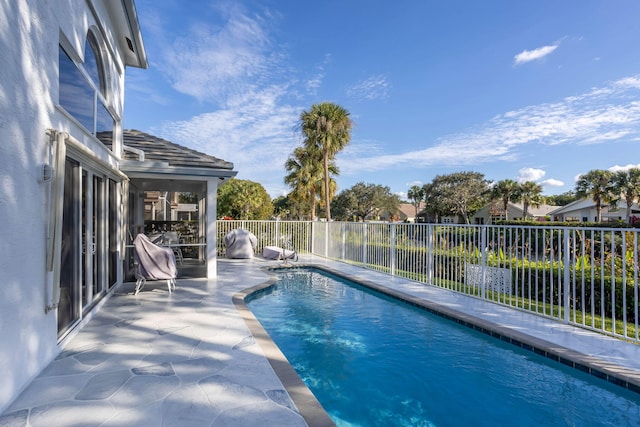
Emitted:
pixel 54 226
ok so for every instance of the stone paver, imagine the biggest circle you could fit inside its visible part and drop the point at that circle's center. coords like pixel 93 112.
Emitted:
pixel 185 359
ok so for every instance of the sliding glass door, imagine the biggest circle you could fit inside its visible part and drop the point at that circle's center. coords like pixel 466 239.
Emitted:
pixel 68 308
pixel 89 237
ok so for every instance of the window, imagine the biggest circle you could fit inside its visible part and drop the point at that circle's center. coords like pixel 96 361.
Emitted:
pixel 93 63
pixel 83 88
pixel 76 96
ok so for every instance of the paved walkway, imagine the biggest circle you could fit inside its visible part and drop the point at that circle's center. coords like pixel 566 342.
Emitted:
pixel 193 359
pixel 186 359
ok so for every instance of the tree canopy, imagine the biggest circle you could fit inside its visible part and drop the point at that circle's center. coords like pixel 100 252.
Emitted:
pixel 460 193
pixel 561 199
pixel 626 185
pixel 506 191
pixel 365 201
pixel 597 184
pixel 244 199
pixel 530 194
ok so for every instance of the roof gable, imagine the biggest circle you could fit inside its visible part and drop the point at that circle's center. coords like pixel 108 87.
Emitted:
pixel 409 210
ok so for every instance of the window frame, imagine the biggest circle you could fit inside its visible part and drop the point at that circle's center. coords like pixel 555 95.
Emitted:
pixel 97 91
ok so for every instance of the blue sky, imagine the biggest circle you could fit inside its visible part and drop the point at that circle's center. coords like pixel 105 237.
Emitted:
pixel 524 90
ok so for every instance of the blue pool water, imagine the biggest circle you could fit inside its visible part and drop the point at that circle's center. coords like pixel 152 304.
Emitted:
pixel 373 361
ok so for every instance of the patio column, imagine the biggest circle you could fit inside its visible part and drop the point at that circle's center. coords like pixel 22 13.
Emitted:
pixel 212 227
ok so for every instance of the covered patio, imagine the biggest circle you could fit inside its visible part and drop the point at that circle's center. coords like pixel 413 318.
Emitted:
pixel 171 196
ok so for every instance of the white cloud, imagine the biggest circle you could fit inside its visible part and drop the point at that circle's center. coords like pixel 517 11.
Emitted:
pixel 600 115
pixel 314 83
pixel 618 168
pixel 212 63
pixel 535 54
pixel 552 183
pixel 529 174
pixel 372 88
pixel 257 135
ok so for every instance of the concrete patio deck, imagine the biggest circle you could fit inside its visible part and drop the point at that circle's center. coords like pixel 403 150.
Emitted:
pixel 193 358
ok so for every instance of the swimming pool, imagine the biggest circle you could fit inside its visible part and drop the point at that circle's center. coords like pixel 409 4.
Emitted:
pixel 373 361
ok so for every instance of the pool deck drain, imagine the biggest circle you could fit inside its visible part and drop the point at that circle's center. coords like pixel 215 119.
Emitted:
pixel 197 358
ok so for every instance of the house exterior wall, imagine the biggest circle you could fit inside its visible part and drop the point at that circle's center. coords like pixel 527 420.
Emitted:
pixel 30 33
pixel 578 215
pixel 486 213
pixel 585 210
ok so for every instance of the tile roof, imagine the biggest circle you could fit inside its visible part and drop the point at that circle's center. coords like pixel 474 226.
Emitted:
pixel 409 210
pixel 158 149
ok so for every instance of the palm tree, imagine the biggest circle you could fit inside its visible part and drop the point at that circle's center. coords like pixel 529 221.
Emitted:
pixel 333 185
pixel 326 126
pixel 627 185
pixel 416 194
pixel 506 191
pixel 597 184
pixel 305 175
pixel 530 196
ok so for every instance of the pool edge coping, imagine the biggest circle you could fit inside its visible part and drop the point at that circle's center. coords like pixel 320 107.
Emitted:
pixel 305 401
pixel 313 412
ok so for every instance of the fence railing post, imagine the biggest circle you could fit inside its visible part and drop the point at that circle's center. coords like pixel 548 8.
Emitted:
pixel 326 239
pixel 343 235
pixel 430 253
pixel 483 261
pixel 364 244
pixel 566 276
pixel 392 250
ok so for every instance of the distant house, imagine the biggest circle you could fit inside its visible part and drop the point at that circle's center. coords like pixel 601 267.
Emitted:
pixel 429 217
pixel 584 210
pixel 494 211
pixel 407 211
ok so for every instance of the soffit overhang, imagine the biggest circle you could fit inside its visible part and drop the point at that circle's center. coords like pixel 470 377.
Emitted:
pixel 126 26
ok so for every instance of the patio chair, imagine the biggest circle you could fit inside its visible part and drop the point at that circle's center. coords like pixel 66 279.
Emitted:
pixel 281 253
pixel 277 253
pixel 153 262
pixel 172 238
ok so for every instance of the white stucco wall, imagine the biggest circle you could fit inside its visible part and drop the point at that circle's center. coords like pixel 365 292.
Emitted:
pixel 29 37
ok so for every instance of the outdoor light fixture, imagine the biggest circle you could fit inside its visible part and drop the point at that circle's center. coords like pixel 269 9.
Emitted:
pixel 46 173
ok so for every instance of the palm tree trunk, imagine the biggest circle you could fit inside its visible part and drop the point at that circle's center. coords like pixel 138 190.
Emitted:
pixel 313 205
pixel 326 185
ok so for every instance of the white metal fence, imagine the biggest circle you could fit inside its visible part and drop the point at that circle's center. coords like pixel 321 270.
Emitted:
pixel 283 234
pixel 582 276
